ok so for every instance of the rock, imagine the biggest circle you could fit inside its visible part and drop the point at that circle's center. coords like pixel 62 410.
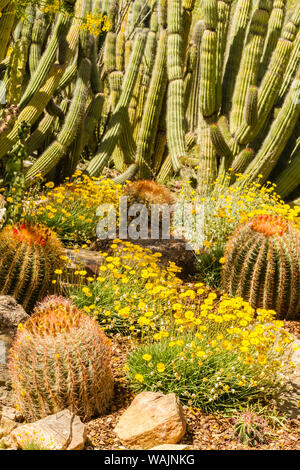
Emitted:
pixel 173 447
pixel 11 313
pixel 11 413
pixel 61 431
pixel 151 419
pixel 7 426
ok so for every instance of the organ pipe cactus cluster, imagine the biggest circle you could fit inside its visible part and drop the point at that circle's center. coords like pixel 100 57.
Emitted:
pixel 61 359
pixel 159 89
pixel 263 265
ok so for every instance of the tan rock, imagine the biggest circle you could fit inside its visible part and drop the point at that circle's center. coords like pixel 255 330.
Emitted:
pixel 7 425
pixel 173 447
pixel 11 413
pixel 152 419
pixel 61 431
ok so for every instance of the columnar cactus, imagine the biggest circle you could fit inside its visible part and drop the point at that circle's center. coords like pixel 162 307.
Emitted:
pixel 29 256
pixel 61 359
pixel 263 265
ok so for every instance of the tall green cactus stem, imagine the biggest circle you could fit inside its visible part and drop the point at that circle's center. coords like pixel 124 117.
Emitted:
pixel 114 130
pixel 17 72
pixel 38 35
pixel 232 62
pixel 251 106
pixel 274 30
pixel 30 254
pixel 270 86
pixel 289 179
pixel 74 118
pixel 207 166
pixel 291 69
pixel 175 98
pixel 34 109
pixel 280 131
pixel 6 24
pixel 207 85
pixel 46 60
pixel 243 159
pixel 262 265
pixel 193 104
pixel 249 67
pixel 59 337
pixel 223 8
pixel 14 180
pixel 219 142
pixel 152 109
pixel 148 63
pixel 40 134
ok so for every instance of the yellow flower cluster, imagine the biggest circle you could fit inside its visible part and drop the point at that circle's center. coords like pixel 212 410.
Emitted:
pixel 71 209
pixel 95 24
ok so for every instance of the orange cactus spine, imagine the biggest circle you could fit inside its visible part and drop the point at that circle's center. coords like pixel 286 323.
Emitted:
pixel 263 265
pixel 29 255
pixel 61 359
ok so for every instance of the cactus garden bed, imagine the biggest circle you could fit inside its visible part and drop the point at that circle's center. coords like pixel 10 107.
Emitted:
pixel 176 122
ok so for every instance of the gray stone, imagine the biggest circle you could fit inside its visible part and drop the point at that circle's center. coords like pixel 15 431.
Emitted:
pixel 11 313
pixel 288 401
pixel 61 431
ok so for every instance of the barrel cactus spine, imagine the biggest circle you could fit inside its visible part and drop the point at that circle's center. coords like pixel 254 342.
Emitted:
pixel 30 254
pixel 61 347
pixel 263 265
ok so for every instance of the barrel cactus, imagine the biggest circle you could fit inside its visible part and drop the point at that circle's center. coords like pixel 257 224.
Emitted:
pixel 148 192
pixel 60 359
pixel 29 255
pixel 262 265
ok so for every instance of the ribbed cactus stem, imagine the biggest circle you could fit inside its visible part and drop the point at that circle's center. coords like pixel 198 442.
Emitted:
pixel 243 159
pixel 251 106
pixel 112 135
pixel 207 85
pixel 66 350
pixel 175 99
pixel 30 254
pixel 153 106
pixel 280 131
pixel 289 179
pixel 207 166
pixel 249 67
pixel 38 35
pixel 219 142
pixel 74 118
pixel 34 109
pixel 46 61
pixel 7 19
pixel 238 30
pixel 274 30
pixel 262 265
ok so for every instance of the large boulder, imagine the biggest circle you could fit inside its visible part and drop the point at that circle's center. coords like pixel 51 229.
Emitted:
pixel 152 419
pixel 61 431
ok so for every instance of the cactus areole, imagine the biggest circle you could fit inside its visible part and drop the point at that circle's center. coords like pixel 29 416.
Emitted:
pixel 263 265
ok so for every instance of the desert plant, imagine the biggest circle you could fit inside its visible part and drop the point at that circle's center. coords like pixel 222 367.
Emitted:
pixel 250 428
pixel 30 254
pixel 262 264
pixel 218 355
pixel 61 359
pixel 148 192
